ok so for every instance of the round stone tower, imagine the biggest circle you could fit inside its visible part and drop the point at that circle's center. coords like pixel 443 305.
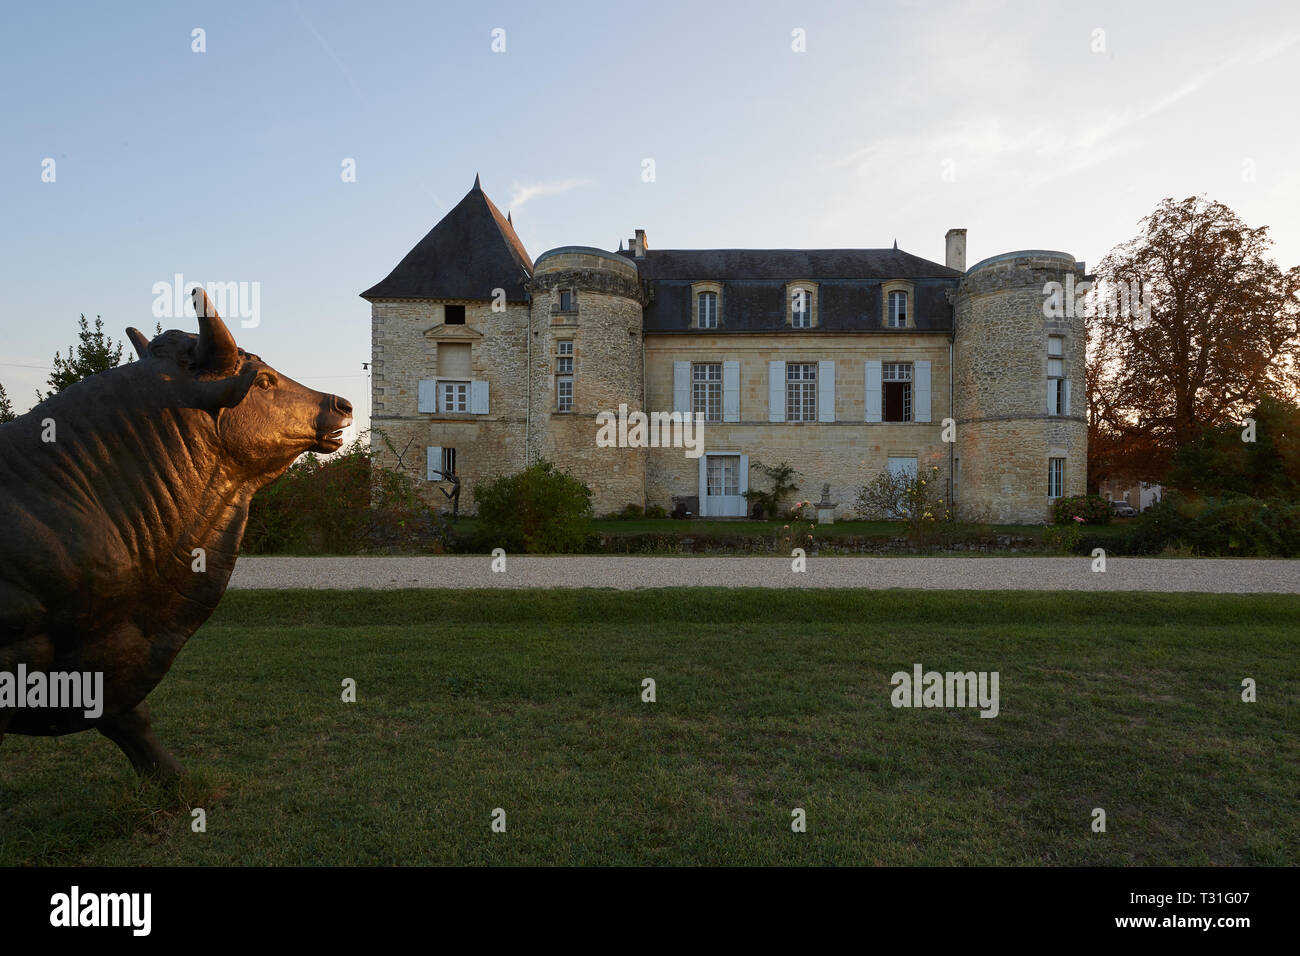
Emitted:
pixel 1021 409
pixel 585 360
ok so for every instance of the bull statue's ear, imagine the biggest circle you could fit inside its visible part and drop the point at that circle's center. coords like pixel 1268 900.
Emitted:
pixel 216 351
pixel 139 341
pixel 214 394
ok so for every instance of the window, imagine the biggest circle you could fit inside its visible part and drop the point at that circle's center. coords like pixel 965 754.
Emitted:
pixel 897 384
pixel 455 396
pixel 454 314
pixel 566 300
pixel 801 309
pixel 448 462
pixel 1055 477
pixel 706 391
pixel 564 375
pixel 706 310
pixel 1056 389
pixel 723 475
pixel 897 318
pixel 801 392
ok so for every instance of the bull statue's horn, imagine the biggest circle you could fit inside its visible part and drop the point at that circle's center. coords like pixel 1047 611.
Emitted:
pixel 139 341
pixel 216 349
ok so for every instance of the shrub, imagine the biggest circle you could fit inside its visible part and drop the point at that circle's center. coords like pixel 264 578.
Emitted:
pixel 656 511
pixel 535 511
pixel 340 504
pixel 1093 509
pixel 916 500
pixel 1227 526
pixel 768 502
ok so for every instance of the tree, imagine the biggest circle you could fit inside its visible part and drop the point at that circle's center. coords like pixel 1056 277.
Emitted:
pixel 6 407
pixel 1221 328
pixel 1222 460
pixel 94 352
pixel 782 477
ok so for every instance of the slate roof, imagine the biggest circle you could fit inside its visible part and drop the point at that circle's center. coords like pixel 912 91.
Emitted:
pixel 754 287
pixel 469 253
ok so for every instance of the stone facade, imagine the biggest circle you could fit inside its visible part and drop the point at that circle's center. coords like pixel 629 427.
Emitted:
pixel 545 348
pixel 1005 432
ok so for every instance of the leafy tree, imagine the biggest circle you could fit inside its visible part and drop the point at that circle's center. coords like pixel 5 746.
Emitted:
pixel 537 511
pixel 1220 461
pixel 6 407
pixel 782 477
pixel 94 352
pixel 916 499
pixel 1223 328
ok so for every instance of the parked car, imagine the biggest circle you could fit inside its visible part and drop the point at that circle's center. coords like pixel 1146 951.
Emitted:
pixel 1123 509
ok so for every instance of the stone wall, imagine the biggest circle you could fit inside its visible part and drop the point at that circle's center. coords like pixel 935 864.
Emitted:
pixel 604 325
pixel 406 335
pixel 1005 435
pixel 846 453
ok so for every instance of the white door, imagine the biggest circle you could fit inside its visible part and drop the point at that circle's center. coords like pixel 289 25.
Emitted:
pixel 724 479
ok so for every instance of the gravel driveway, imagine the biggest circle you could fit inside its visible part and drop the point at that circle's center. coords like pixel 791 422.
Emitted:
pixel 1032 574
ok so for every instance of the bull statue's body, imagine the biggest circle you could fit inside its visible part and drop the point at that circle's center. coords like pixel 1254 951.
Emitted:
pixel 107 492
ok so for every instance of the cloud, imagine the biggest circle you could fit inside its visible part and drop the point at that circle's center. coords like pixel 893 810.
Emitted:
pixel 520 194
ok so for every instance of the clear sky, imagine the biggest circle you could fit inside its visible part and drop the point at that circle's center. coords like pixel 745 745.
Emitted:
pixel 1017 121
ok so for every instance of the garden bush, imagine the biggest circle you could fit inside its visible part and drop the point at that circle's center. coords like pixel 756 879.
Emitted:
pixel 535 511
pixel 1093 509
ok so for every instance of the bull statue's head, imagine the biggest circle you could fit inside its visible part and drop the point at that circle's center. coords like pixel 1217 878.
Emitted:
pixel 262 419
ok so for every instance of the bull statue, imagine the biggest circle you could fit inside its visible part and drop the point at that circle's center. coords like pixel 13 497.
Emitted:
pixel 123 502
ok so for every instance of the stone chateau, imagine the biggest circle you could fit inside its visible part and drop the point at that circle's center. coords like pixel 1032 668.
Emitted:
pixel 843 362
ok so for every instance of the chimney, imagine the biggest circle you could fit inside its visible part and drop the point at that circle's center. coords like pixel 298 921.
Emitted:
pixel 637 244
pixel 955 249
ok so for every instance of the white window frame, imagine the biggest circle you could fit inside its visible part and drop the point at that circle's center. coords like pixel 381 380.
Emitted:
pixel 1056 477
pixel 801 391
pixel 706 390
pixel 452 394
pixel 801 318
pixel 897 372
pixel 706 318
pixel 897 319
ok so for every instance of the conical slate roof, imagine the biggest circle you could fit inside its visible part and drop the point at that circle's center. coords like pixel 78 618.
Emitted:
pixel 472 251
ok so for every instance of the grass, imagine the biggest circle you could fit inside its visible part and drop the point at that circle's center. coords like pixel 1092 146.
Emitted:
pixel 767 701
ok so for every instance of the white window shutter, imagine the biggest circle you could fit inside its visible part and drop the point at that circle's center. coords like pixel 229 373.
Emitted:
pixel 874 392
pixel 826 391
pixel 478 397
pixel 428 395
pixel 704 485
pixel 1067 396
pixel 776 391
pixel 682 387
pixel 433 467
pixel 744 480
pixel 1052 385
pixel 921 392
pixel 731 391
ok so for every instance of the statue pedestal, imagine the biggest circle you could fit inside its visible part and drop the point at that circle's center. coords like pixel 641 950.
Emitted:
pixel 826 507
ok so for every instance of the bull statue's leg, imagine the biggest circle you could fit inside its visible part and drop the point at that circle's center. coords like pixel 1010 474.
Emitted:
pixel 131 731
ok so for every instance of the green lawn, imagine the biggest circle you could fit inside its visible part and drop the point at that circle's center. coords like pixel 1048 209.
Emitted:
pixel 767 701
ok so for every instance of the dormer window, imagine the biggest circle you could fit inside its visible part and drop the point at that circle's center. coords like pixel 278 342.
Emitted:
pixel 706 310
pixel 897 310
pixel 896 304
pixel 706 305
pixel 801 299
